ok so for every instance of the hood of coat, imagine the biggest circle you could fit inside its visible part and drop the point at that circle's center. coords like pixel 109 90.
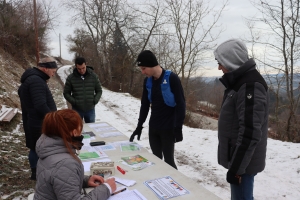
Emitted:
pixel 231 54
pixel 34 71
pixel 230 78
pixel 47 146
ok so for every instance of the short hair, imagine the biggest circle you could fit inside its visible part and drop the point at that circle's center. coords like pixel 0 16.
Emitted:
pixel 79 61
pixel 60 124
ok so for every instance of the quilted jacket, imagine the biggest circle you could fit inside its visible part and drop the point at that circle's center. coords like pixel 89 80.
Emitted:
pixel 36 101
pixel 59 175
pixel 83 93
pixel 243 121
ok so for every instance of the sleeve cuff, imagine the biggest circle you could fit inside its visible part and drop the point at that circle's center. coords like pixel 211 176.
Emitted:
pixel 108 187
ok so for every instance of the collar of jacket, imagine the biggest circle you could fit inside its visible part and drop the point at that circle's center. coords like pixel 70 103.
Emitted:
pixel 89 70
pixel 34 71
pixel 230 78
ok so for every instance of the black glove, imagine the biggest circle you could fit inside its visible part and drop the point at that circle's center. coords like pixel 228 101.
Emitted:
pixel 138 132
pixel 233 178
pixel 178 135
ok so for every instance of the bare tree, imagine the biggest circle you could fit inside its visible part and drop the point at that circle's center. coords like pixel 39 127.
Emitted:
pixel 16 26
pixel 102 18
pixel 194 38
pixel 281 42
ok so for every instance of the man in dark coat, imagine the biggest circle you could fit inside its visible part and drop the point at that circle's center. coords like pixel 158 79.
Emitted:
pixel 243 121
pixel 36 101
pixel 83 90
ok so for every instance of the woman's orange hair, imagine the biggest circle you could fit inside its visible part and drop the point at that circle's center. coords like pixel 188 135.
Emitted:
pixel 60 124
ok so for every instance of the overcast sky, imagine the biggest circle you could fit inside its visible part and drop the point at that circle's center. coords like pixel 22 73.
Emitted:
pixel 232 21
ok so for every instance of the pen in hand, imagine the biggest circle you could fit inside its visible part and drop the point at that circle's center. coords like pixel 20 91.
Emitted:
pixel 118 192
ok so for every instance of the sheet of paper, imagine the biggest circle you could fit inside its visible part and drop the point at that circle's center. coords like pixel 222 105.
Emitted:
pixel 92 125
pixel 107 147
pixel 102 127
pixel 117 144
pixel 166 187
pixel 87 190
pixel 99 151
pixel 86 142
pixel 128 195
pixel 110 134
pixel 130 147
pixel 126 182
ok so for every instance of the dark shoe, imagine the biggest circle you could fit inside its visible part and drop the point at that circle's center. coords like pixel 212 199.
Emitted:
pixel 33 174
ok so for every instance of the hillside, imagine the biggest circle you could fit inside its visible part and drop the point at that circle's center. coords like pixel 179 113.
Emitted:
pixel 10 75
pixel 14 166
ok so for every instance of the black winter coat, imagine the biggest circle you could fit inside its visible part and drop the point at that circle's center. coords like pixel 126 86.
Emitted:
pixel 36 101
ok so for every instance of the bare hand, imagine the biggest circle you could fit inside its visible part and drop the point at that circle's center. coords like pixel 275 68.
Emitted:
pixel 111 182
pixel 95 180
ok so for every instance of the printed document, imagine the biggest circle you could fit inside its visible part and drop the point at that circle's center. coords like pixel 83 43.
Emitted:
pixel 166 188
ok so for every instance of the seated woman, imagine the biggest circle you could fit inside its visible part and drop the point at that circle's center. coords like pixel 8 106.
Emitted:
pixel 60 173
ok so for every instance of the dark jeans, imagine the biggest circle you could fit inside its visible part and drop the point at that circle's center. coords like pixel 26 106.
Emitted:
pixel 162 145
pixel 88 116
pixel 33 158
pixel 244 191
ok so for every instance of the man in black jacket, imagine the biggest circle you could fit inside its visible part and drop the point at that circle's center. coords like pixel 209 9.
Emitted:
pixel 163 92
pixel 36 101
pixel 243 121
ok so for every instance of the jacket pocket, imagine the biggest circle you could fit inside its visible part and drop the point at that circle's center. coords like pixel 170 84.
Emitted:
pixel 231 149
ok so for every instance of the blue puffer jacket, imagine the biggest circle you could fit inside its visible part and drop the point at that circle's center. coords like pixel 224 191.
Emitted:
pixel 59 175
pixel 36 101
pixel 243 121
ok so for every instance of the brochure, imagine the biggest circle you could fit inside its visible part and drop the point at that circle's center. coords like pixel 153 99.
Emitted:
pixel 131 160
pixel 131 146
pixel 88 155
pixel 88 134
pixel 166 188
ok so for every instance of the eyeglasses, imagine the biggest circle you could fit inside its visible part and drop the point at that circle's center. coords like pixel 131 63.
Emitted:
pixel 82 77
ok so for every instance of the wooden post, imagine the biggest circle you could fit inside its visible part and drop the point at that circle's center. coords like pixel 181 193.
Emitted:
pixel 37 55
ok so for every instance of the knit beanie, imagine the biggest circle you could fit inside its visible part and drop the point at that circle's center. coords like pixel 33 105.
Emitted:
pixel 231 54
pixel 48 62
pixel 146 59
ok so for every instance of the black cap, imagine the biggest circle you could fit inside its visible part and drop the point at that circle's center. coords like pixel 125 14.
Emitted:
pixel 146 59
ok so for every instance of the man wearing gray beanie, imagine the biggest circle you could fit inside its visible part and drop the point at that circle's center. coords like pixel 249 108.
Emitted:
pixel 243 120
pixel 162 91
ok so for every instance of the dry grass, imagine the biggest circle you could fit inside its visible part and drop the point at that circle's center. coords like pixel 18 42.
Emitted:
pixel 14 165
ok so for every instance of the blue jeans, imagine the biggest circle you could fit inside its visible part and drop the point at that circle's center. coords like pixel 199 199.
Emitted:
pixel 33 158
pixel 244 191
pixel 88 116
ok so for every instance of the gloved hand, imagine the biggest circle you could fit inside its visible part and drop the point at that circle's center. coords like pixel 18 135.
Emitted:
pixel 178 137
pixel 233 178
pixel 138 132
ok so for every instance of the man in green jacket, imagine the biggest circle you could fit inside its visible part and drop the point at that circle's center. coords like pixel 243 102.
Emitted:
pixel 83 90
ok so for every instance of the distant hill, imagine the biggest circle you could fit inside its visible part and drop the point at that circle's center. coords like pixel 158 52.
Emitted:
pixel 273 80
